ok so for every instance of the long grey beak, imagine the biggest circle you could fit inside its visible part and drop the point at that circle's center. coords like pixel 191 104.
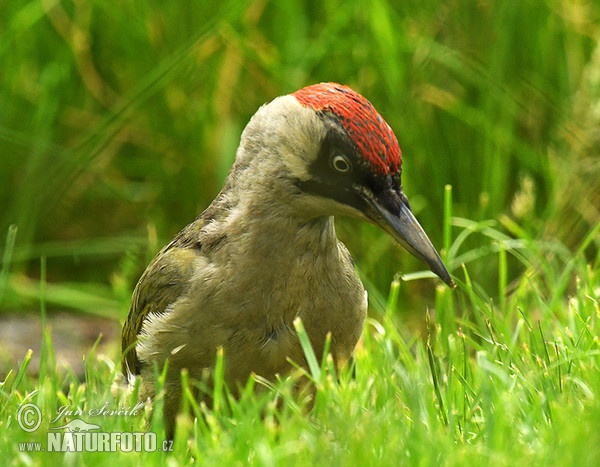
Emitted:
pixel 406 230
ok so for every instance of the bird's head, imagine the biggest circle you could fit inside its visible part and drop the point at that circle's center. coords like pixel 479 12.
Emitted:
pixel 339 156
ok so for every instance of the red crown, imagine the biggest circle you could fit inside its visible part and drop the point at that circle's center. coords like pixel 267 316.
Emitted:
pixel 371 133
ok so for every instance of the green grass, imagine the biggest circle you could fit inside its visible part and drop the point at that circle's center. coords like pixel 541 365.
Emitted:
pixel 483 383
pixel 119 121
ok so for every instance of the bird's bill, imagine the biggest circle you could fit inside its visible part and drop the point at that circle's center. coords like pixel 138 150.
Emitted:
pixel 406 230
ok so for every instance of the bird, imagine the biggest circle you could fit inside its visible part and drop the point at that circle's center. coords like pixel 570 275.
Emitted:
pixel 265 251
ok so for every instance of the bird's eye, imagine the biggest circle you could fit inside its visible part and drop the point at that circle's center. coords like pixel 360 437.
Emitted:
pixel 341 163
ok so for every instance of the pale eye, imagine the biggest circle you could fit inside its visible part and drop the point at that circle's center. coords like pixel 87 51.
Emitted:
pixel 341 163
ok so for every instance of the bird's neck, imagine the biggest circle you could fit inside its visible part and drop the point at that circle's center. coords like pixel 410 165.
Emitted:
pixel 267 228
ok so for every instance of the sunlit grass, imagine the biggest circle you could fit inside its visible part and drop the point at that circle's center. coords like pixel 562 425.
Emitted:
pixel 484 382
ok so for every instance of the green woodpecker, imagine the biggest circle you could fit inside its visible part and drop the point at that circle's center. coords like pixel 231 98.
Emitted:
pixel 265 251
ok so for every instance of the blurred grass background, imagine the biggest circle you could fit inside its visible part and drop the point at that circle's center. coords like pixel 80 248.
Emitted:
pixel 119 121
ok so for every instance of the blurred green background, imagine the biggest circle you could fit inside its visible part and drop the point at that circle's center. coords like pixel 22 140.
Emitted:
pixel 119 121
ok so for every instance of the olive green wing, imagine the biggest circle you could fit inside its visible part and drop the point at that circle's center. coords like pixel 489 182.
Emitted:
pixel 165 279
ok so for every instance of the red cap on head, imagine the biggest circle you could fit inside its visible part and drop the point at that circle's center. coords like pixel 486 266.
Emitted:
pixel 371 133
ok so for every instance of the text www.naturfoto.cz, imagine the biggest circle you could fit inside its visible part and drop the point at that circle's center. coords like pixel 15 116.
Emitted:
pixel 95 442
